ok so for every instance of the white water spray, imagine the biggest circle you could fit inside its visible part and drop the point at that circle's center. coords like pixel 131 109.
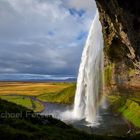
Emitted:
pixel 90 78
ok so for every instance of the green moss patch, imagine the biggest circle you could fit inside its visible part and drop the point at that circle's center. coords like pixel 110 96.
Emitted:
pixel 108 72
pixel 131 111
pixel 129 108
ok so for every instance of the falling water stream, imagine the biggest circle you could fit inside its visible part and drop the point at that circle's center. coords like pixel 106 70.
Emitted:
pixel 89 83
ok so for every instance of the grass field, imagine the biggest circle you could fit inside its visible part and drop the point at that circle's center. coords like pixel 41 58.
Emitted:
pixel 31 95
pixel 65 95
pixel 30 88
pixel 26 102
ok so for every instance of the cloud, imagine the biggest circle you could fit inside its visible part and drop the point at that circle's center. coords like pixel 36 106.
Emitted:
pixel 43 36
pixel 88 5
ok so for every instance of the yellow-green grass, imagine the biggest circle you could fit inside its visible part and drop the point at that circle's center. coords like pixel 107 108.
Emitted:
pixel 64 96
pixel 25 93
pixel 38 106
pixel 128 107
pixel 30 88
pixel 27 102
pixel 23 101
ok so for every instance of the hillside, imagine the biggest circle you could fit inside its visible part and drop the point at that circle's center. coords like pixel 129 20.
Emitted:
pixel 19 123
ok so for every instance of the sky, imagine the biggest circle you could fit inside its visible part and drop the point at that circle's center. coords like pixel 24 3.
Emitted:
pixel 43 36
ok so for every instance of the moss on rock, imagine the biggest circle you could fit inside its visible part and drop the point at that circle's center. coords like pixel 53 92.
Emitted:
pixel 128 107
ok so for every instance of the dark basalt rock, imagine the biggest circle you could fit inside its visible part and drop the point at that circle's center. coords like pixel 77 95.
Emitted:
pixel 120 20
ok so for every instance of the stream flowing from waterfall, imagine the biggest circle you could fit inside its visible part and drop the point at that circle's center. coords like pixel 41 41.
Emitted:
pixel 90 77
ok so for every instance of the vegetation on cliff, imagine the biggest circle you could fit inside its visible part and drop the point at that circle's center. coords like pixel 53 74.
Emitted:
pixel 129 108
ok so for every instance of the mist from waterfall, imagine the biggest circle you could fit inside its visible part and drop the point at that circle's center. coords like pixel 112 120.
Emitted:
pixel 90 78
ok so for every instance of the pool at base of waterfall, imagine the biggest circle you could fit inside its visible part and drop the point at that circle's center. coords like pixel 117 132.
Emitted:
pixel 107 123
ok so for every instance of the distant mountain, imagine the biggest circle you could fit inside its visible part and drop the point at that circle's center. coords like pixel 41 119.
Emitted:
pixel 36 77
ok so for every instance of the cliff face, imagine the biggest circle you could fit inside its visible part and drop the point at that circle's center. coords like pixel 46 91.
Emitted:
pixel 120 20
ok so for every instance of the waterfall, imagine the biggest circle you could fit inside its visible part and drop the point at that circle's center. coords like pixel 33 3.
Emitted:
pixel 90 77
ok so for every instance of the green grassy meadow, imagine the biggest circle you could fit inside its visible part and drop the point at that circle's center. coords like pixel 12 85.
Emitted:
pixel 64 96
pixel 31 88
pixel 23 101
pixel 32 95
